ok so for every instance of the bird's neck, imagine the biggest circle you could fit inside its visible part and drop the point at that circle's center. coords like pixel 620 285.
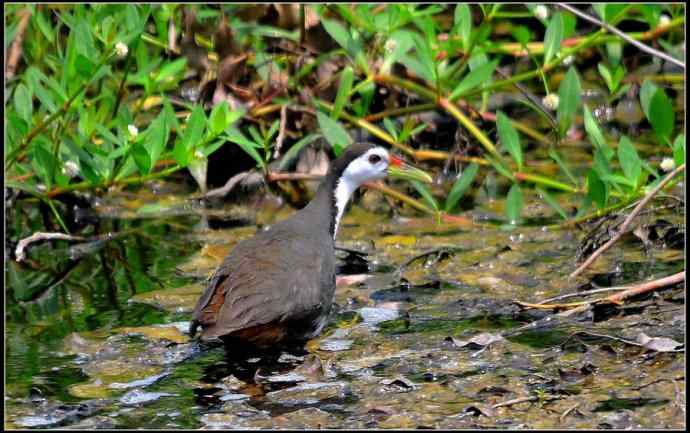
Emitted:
pixel 330 201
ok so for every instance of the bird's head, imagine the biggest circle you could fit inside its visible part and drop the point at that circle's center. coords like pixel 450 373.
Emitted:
pixel 364 162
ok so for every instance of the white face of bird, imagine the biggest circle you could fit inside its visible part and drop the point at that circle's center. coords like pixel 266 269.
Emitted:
pixel 372 165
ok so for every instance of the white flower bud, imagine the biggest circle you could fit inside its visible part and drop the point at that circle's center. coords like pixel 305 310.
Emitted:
pixel 667 164
pixel 70 168
pixel 390 45
pixel 550 101
pixel 121 49
pixel 133 131
pixel 664 20
pixel 198 154
pixel 541 12
pixel 568 60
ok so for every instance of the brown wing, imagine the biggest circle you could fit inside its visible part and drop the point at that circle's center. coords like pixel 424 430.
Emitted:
pixel 266 279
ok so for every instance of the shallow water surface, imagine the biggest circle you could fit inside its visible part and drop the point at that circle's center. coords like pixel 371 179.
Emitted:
pixel 420 335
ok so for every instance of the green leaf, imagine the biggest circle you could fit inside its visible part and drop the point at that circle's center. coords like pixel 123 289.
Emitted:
pixel 556 157
pixel 361 107
pixel 460 186
pixel 553 37
pixel 344 38
pixel 44 26
pixel 218 120
pixel 390 127
pixel 662 116
pixel 463 24
pixel 402 41
pixel 569 95
pixel 335 134
pixel 612 11
pixel 23 102
pixel 156 138
pixel 521 34
pixel 651 14
pixel 647 91
pixel 45 98
pixel 141 157
pixel 43 162
pixel 618 179
pixel 84 66
pixel 614 50
pixel 194 129
pixel 679 150
pixel 629 159
pixel 344 89
pixel 514 204
pixel 596 189
pixel 606 74
pixel 170 70
pixel 475 77
pixel 425 192
pixel 292 153
pixel 248 146
pixel 595 134
pixel 509 137
pixel 552 202
pixel 212 147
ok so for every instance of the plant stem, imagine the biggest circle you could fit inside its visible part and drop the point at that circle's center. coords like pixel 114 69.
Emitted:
pixel 541 180
pixel 400 196
pixel 132 180
pixel 400 112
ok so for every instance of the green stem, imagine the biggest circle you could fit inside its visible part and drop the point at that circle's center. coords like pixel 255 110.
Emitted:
pixel 132 180
pixel 400 112
pixel 49 202
pixel 541 180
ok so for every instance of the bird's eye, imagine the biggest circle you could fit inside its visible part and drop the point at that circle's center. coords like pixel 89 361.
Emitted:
pixel 374 159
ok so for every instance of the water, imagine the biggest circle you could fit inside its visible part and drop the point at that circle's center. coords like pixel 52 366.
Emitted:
pixel 100 340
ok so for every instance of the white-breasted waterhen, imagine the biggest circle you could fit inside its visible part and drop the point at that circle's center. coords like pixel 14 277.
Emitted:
pixel 277 287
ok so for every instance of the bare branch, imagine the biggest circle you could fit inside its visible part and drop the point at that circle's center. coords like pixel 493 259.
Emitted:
pixel 622 35
pixel 621 230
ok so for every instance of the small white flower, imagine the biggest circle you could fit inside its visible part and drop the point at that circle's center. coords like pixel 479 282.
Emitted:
pixel 41 187
pixel 70 168
pixel 390 45
pixel 133 131
pixel 664 20
pixel 568 60
pixel 198 154
pixel 541 12
pixel 121 49
pixel 667 164
pixel 550 101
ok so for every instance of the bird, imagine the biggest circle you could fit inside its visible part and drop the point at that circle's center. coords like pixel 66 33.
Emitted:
pixel 276 289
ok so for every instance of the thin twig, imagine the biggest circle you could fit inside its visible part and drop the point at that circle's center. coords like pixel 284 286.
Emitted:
pixel 567 411
pixel 276 176
pixel 281 132
pixel 622 229
pixel 229 186
pixel 41 236
pixel 624 36
pixel 647 287
pixel 526 399
pixel 15 52
pixel 625 293
pixel 585 293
